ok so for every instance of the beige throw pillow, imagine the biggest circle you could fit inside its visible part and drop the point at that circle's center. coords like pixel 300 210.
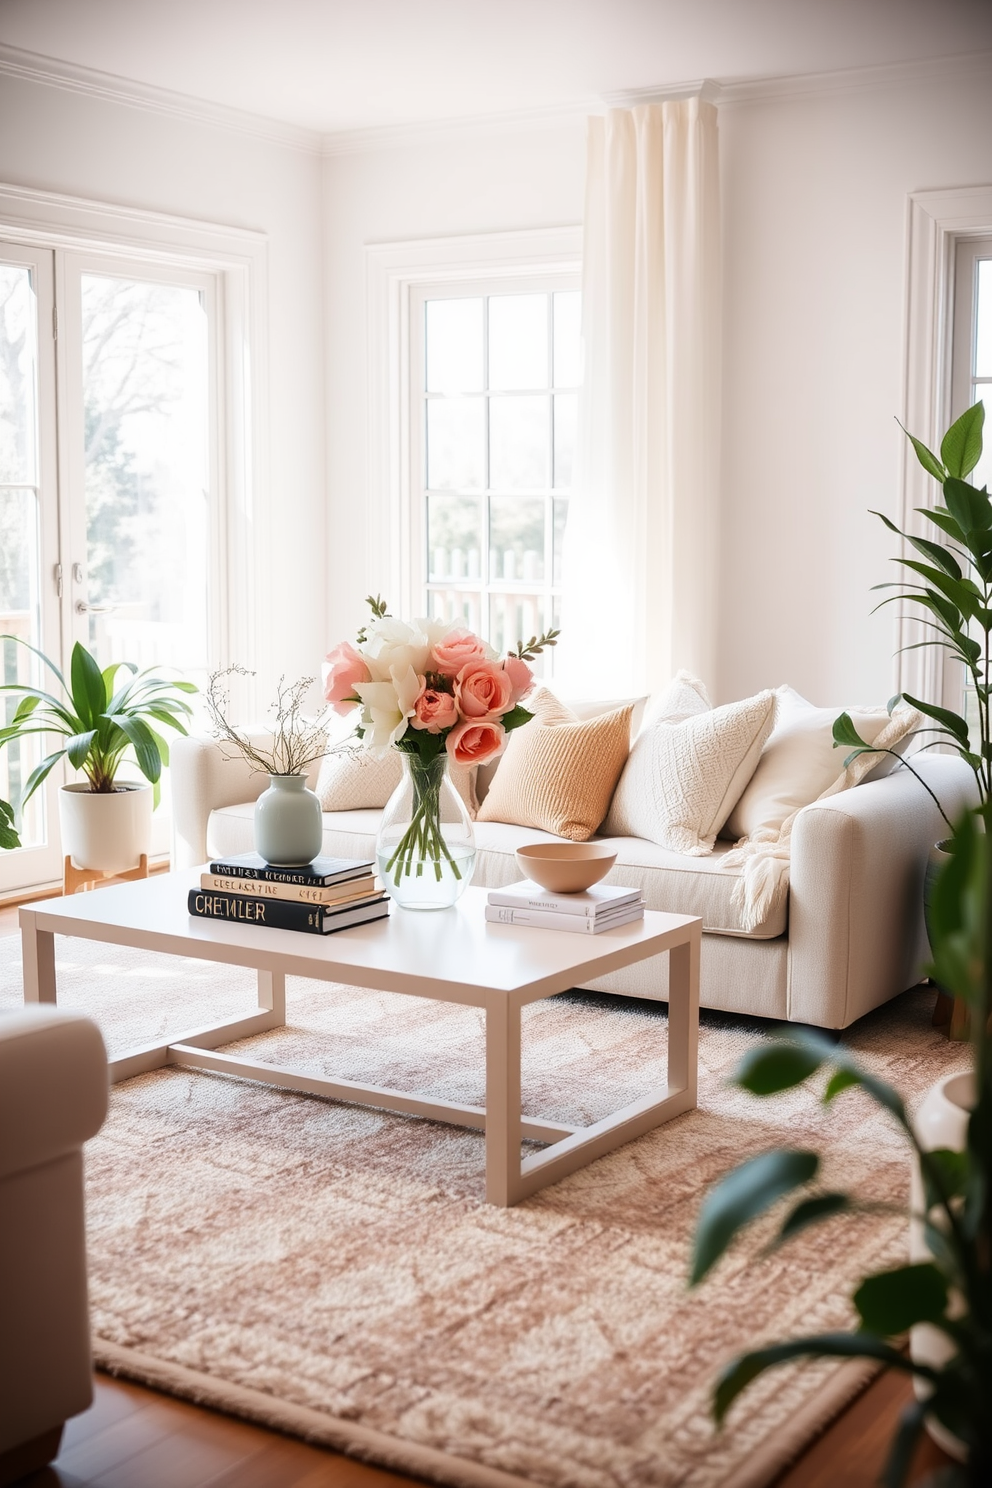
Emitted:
pixel 352 779
pixel 687 769
pixel 799 762
pixel 558 772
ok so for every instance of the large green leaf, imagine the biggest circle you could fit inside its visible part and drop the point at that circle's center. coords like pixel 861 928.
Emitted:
pixel 145 749
pixel 943 557
pixel 49 664
pixel 953 722
pixel 892 1302
pixel 78 747
pixel 971 507
pixel 89 694
pixel 961 446
pixel 962 593
pixel 745 1193
pixel 769 1068
pixel 813 1211
pixel 738 1375
pixel 925 456
pixel 8 834
pixel 40 773
pixel 845 733
pixel 943 519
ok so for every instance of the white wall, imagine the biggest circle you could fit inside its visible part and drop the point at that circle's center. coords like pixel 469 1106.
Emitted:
pixel 470 182
pixel 55 140
pixel 815 200
pixel 815 192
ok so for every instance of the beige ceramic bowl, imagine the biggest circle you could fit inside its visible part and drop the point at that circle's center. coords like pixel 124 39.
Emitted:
pixel 566 867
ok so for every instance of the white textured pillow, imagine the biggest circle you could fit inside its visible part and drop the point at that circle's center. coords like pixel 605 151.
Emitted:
pixel 353 779
pixel 685 773
pixel 799 762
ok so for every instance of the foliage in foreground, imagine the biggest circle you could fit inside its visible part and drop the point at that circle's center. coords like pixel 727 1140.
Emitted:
pixel 953 1290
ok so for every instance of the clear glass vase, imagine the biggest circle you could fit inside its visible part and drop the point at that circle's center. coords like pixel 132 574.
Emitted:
pixel 426 845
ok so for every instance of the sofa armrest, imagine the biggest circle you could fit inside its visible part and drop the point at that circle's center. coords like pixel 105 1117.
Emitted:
pixel 53 1085
pixel 856 930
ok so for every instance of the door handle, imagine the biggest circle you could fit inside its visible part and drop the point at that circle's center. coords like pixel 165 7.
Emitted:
pixel 82 608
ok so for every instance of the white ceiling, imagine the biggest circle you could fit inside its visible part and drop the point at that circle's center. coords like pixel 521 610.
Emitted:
pixel 330 65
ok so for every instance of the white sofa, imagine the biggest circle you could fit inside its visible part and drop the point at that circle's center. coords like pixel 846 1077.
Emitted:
pixel 850 936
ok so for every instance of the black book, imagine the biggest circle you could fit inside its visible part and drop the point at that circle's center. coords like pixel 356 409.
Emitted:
pixel 283 914
pixel 320 873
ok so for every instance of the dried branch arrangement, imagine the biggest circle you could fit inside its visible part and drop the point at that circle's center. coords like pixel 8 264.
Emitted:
pixel 296 739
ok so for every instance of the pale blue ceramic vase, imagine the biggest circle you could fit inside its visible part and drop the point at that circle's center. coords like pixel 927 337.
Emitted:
pixel 288 822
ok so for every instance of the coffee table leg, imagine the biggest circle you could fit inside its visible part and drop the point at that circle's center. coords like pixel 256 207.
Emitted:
pixel 683 1015
pixel 272 992
pixel 502 1100
pixel 38 954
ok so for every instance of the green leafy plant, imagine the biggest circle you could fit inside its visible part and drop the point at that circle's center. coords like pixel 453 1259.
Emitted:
pixel 953 1290
pixel 98 720
pixel 8 832
pixel 949 582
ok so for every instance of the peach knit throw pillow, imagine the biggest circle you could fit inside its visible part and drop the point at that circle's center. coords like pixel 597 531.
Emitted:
pixel 558 773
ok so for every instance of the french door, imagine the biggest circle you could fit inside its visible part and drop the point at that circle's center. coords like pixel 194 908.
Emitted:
pixel 110 476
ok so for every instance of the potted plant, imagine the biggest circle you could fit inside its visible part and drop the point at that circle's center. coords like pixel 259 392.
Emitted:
pixel 950 583
pixel 949 1292
pixel 105 821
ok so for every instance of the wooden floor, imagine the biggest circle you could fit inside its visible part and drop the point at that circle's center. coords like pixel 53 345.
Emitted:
pixel 136 1438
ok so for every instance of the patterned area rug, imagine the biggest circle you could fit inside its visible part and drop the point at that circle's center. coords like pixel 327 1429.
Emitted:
pixel 333 1271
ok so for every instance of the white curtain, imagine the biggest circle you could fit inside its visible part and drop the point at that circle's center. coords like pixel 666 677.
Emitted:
pixel 641 543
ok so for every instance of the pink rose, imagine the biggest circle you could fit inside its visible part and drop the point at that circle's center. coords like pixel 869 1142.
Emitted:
pixel 475 741
pixel 434 711
pixel 483 690
pixel 345 668
pixel 521 677
pixel 455 650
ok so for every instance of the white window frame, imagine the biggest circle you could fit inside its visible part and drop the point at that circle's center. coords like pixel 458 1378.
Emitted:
pixel 236 259
pixel 938 222
pixel 499 261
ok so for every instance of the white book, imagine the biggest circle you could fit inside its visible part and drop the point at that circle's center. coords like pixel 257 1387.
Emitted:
pixel 600 899
pixel 546 919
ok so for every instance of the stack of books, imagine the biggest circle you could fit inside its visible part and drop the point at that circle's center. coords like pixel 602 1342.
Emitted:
pixel 587 914
pixel 325 895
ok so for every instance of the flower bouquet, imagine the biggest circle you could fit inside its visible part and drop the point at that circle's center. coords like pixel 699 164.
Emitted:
pixel 436 693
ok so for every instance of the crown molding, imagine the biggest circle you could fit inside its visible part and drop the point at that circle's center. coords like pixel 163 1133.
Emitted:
pixel 852 79
pixel 724 92
pixel 71 78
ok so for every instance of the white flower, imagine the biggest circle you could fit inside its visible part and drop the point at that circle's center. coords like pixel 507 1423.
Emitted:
pixel 386 706
pixel 393 645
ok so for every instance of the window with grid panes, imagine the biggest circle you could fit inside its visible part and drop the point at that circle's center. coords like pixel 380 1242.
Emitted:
pixel 498 402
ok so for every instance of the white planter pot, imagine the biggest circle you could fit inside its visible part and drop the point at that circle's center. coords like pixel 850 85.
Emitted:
pixel 106 831
pixel 942 1121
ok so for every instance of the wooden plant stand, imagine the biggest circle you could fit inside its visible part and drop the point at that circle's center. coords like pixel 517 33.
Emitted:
pixel 74 878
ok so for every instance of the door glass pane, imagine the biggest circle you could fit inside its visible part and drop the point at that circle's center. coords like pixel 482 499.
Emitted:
pixel 146 450
pixel 518 443
pixel 513 618
pixel 20 606
pixel 518 341
pixel 454 346
pixel 18 376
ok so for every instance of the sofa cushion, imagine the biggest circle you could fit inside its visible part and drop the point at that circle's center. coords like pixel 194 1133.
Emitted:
pixel 558 772
pixel 800 762
pixel 687 768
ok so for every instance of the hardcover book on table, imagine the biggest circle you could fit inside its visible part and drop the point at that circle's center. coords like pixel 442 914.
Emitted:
pixel 282 914
pixel 549 919
pixel 600 899
pixel 262 888
pixel 322 872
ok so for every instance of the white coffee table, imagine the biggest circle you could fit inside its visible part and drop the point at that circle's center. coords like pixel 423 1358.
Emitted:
pixel 450 955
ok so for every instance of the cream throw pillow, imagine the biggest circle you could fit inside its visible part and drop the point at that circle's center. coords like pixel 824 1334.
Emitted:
pixel 686 770
pixel 558 772
pixel 799 762
pixel 353 779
